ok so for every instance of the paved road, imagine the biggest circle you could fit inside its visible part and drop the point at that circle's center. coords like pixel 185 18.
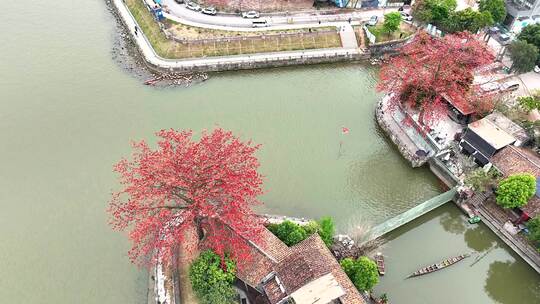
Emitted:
pixel 305 18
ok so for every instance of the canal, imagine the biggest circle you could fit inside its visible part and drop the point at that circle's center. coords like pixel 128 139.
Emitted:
pixel 68 111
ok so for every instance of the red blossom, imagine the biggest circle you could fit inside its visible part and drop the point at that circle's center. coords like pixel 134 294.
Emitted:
pixel 429 68
pixel 211 184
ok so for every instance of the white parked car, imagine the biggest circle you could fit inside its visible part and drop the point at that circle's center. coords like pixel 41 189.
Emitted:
pixel 373 20
pixel 209 11
pixel 510 86
pixel 250 14
pixel 537 69
pixel 193 6
pixel 406 16
pixel 490 87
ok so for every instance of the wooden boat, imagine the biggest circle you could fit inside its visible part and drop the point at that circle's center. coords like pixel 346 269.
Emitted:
pixel 380 263
pixel 441 265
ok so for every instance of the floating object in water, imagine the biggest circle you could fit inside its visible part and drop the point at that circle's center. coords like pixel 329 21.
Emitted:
pixel 441 265
pixel 475 219
pixel 380 263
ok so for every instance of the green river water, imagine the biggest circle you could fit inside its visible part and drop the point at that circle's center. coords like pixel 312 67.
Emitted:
pixel 68 112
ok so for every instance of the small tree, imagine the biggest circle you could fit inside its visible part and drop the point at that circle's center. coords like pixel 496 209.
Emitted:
pixel 212 280
pixel 497 9
pixel 433 11
pixel 531 34
pixel 480 180
pixel 516 190
pixel 288 232
pixel 529 103
pixel 391 22
pixel 362 272
pixel 523 55
pixel 326 230
pixel 534 229
pixel 467 20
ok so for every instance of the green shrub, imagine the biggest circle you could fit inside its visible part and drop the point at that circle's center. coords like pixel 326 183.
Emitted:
pixel 516 190
pixel 480 180
pixel 362 272
pixel 311 227
pixel 534 229
pixel 289 233
pixel 327 230
pixel 212 281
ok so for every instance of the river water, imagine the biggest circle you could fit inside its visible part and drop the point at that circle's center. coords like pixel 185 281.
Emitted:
pixel 68 112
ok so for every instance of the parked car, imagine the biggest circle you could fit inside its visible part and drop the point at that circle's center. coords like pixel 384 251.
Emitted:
pixel 250 14
pixel 406 16
pixel 209 11
pixel 260 23
pixel 193 6
pixel 179 1
pixel 537 69
pixel 510 85
pixel 373 20
pixel 490 86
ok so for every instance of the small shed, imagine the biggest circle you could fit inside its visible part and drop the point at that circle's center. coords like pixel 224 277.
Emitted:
pixel 483 138
pixel 459 109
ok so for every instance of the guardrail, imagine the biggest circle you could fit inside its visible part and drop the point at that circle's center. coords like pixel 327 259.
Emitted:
pixel 251 37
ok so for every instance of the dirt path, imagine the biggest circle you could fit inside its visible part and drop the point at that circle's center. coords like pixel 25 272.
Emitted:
pixel 185 257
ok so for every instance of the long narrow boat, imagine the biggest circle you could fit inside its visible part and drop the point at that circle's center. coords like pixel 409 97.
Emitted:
pixel 441 265
pixel 380 263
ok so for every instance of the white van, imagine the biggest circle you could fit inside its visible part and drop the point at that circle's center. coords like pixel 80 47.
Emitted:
pixel 260 23
pixel 512 85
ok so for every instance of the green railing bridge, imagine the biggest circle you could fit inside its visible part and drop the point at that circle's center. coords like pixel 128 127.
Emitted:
pixel 411 214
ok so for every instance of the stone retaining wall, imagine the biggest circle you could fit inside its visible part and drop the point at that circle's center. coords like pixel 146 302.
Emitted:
pixel 392 132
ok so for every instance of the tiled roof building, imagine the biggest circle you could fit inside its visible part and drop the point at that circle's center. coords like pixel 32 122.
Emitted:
pixel 513 160
pixel 306 273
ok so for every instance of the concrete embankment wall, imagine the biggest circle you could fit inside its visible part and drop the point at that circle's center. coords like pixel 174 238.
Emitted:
pixel 393 130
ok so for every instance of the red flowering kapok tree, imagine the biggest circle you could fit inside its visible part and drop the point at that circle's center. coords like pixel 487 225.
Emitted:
pixel 209 184
pixel 428 68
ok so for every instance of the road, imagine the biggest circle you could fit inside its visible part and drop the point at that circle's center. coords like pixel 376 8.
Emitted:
pixel 275 21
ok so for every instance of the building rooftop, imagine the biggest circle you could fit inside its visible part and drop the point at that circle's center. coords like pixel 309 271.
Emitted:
pixel 491 133
pixel 510 127
pixel 459 103
pixel 304 272
pixel 512 160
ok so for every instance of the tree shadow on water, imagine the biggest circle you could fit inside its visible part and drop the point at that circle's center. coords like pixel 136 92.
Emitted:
pixel 506 285
pixel 479 238
pixel 452 223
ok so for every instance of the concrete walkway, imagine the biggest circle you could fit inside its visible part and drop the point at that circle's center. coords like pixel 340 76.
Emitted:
pixel 214 63
pixel 348 37
pixel 527 254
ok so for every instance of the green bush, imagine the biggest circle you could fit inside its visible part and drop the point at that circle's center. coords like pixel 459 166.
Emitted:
pixel 529 103
pixel 534 229
pixel 291 233
pixel 480 180
pixel 516 190
pixel 212 281
pixel 391 22
pixel 362 272
pixel 327 230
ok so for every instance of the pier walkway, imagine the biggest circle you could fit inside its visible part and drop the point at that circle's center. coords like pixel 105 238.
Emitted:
pixel 411 214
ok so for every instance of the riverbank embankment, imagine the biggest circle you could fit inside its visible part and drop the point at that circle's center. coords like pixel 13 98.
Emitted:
pixel 228 63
